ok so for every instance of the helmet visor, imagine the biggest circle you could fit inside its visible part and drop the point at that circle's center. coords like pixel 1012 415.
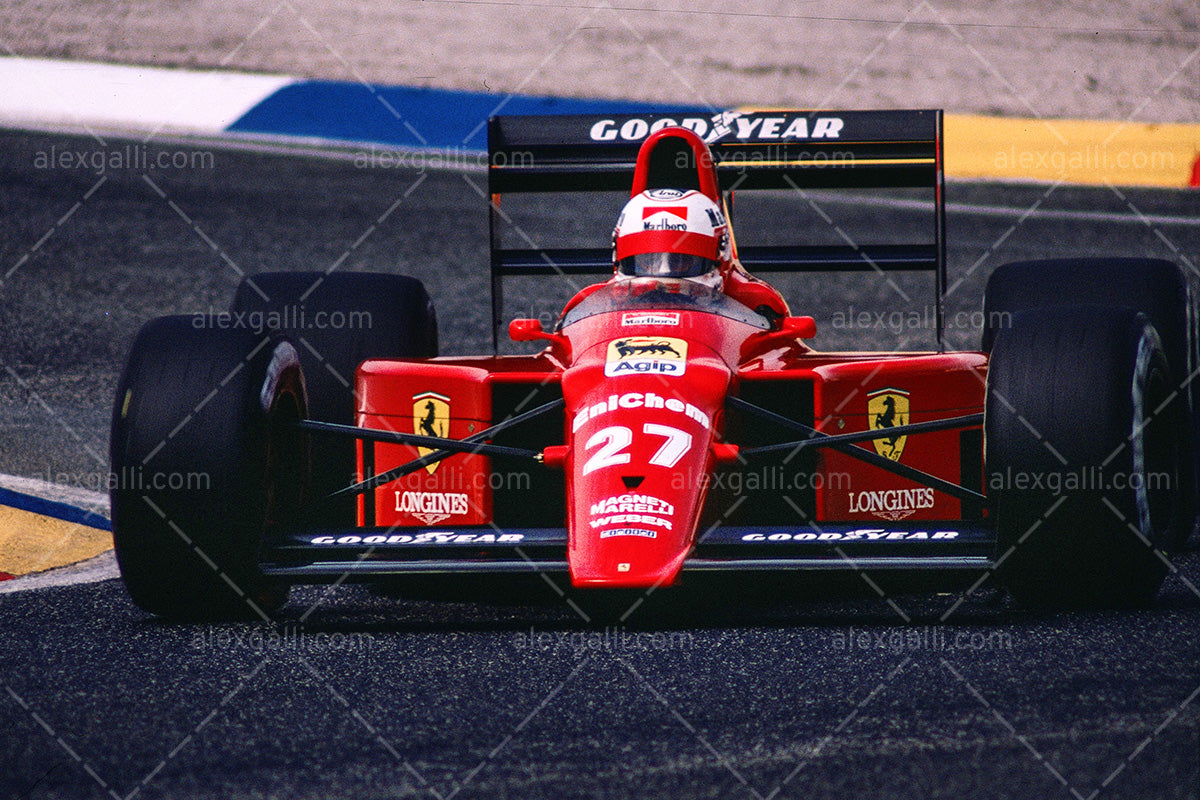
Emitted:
pixel 665 265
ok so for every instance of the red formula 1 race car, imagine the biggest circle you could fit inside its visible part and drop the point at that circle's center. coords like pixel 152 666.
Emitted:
pixel 675 420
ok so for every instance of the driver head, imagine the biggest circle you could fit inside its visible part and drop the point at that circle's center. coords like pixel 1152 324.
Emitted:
pixel 669 233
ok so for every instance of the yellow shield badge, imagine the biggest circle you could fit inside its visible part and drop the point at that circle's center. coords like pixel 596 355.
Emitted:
pixel 431 417
pixel 888 408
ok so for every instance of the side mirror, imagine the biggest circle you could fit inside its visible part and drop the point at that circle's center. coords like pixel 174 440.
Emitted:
pixel 790 329
pixel 800 327
pixel 527 330
pixel 530 330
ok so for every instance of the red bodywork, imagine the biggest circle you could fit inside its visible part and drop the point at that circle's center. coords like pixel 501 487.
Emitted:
pixel 641 446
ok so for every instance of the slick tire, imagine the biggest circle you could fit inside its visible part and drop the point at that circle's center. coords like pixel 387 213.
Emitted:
pixel 1084 457
pixel 206 459
pixel 337 321
pixel 1157 288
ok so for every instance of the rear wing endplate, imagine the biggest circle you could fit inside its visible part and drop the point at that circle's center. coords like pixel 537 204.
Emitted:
pixel 797 150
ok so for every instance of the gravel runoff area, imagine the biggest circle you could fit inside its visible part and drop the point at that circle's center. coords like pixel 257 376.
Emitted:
pixel 1072 58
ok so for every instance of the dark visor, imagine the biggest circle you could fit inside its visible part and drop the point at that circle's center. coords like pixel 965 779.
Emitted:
pixel 665 265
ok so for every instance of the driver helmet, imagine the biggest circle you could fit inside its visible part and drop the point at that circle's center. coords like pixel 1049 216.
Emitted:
pixel 669 233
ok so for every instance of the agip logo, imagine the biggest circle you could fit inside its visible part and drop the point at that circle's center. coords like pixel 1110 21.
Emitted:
pixel 431 417
pixel 646 355
pixel 888 408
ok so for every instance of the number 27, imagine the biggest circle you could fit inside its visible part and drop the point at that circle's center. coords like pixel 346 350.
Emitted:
pixel 613 441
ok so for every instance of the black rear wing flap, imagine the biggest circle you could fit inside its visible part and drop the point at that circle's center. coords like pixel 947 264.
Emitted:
pixel 753 150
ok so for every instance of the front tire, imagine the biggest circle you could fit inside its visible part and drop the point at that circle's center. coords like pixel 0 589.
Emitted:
pixel 205 458
pixel 1155 287
pixel 1084 456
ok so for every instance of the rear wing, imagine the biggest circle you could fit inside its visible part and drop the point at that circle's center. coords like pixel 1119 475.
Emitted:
pixel 797 150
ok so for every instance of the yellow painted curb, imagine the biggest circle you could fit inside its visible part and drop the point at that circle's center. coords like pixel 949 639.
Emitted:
pixel 32 542
pixel 1071 151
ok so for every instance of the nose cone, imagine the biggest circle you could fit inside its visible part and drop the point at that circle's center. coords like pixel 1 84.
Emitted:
pixel 632 523
pixel 637 470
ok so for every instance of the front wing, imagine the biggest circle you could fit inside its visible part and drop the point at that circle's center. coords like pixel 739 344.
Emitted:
pixel 347 554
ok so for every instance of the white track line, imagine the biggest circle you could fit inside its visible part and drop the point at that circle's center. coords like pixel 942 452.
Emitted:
pixel 101 568
pixel 86 499
pixel 52 92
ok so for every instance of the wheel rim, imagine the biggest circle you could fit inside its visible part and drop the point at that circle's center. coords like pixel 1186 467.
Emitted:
pixel 1156 459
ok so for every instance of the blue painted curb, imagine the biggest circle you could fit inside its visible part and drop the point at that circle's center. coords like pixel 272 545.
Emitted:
pixel 51 508
pixel 411 118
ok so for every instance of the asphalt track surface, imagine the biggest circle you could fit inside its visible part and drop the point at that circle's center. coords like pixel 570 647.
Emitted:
pixel 824 689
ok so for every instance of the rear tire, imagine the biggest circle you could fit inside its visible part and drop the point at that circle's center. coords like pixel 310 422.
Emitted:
pixel 1084 456
pixel 337 321
pixel 205 459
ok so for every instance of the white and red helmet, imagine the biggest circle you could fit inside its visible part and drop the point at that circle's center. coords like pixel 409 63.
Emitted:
pixel 669 233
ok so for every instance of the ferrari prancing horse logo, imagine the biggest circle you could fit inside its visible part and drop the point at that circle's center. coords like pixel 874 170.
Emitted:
pixel 431 417
pixel 888 408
